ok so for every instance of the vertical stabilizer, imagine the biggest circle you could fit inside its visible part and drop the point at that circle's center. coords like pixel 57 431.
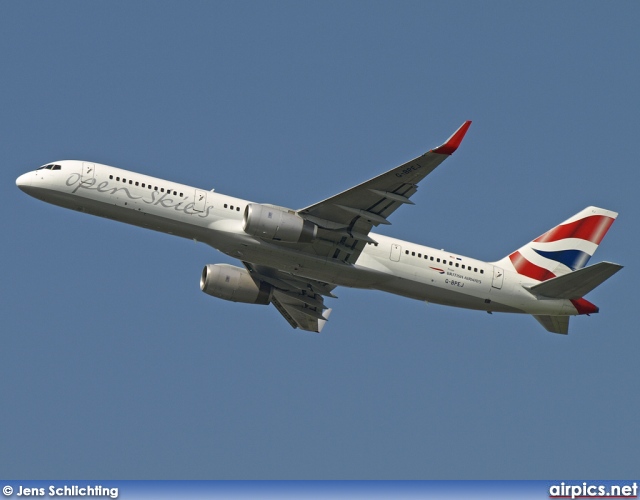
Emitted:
pixel 563 249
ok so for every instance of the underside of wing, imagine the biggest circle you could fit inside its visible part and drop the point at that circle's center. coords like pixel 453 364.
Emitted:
pixel 298 313
pixel 344 220
pixel 299 300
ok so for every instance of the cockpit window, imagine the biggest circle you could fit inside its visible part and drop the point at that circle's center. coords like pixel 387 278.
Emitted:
pixel 56 167
pixel 50 167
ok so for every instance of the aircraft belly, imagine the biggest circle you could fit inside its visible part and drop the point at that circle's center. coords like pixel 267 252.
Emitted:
pixel 181 226
pixel 341 274
pixel 515 295
pixel 444 295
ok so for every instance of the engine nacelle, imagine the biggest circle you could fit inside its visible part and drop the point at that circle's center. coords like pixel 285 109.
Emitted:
pixel 273 223
pixel 233 283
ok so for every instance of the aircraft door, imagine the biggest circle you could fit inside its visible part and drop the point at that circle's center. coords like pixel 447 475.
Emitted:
pixel 88 171
pixel 498 277
pixel 396 250
pixel 200 201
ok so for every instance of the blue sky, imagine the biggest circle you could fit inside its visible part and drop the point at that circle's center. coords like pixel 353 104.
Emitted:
pixel 115 365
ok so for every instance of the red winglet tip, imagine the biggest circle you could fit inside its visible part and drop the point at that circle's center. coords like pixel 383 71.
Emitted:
pixel 454 141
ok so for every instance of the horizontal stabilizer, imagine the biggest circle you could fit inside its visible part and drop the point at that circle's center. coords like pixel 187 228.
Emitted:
pixel 576 284
pixel 554 324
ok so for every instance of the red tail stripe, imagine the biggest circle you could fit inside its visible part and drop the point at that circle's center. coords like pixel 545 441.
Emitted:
pixel 592 228
pixel 526 268
pixel 583 306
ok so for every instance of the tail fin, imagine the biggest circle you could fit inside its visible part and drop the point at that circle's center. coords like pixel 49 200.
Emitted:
pixel 563 249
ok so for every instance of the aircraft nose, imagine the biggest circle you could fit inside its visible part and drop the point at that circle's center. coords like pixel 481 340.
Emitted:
pixel 24 181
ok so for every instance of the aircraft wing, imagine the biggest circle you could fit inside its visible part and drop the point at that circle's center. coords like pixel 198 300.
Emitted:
pixel 344 220
pixel 298 313
pixel 299 300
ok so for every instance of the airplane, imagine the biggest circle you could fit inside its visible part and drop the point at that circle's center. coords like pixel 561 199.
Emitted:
pixel 294 259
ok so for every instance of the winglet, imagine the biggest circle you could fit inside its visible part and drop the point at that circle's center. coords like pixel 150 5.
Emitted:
pixel 454 141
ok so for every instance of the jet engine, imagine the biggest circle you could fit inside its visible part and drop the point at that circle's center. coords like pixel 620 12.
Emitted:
pixel 233 283
pixel 274 223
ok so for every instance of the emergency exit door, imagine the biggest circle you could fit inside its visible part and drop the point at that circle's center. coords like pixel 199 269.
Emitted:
pixel 396 250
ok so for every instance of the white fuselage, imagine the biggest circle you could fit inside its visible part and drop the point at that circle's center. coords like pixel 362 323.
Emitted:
pixel 393 265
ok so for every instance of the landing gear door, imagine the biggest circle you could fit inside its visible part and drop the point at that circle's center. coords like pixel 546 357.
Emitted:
pixel 396 250
pixel 498 277
pixel 200 201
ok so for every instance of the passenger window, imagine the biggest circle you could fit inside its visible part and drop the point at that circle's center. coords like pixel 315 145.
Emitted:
pixel 143 185
pixel 231 207
pixel 438 259
pixel 181 194
pixel 111 177
pixel 130 182
pixel 155 188
pixel 118 178
pixel 225 205
pixel 475 269
pixel 237 209
pixel 419 255
pixel 457 265
pixel 431 258
pixel 162 190
pixel 124 180
pixel 413 254
pixel 175 193
pixel 137 183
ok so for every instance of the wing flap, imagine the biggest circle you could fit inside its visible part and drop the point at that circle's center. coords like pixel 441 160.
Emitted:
pixel 299 300
pixel 300 315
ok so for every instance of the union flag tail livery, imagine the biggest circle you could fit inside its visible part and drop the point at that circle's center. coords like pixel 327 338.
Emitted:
pixel 563 249
pixel 557 260
pixel 294 259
